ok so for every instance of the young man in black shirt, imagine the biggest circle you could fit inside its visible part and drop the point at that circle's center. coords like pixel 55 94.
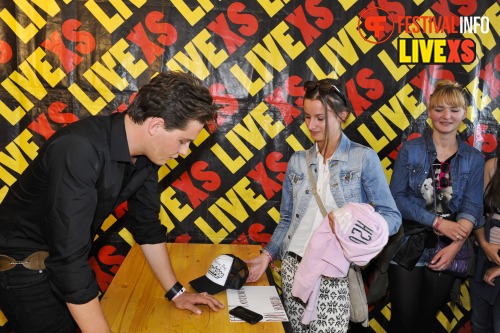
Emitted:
pixel 85 170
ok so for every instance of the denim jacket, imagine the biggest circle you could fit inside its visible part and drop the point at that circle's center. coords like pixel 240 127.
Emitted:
pixel 356 175
pixel 412 167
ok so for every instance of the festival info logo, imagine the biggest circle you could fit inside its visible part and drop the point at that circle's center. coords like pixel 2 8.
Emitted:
pixel 377 25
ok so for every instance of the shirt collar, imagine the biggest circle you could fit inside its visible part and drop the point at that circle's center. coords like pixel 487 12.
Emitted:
pixel 341 153
pixel 119 150
pixel 319 157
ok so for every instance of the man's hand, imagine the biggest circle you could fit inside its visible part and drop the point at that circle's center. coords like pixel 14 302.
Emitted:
pixel 159 260
pixel 188 301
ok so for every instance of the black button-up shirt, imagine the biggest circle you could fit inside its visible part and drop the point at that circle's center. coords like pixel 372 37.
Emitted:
pixel 61 200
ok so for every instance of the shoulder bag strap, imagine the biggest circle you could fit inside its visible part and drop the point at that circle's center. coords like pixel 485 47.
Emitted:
pixel 313 185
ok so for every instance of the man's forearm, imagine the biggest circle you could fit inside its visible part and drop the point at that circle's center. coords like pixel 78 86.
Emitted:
pixel 159 260
pixel 89 317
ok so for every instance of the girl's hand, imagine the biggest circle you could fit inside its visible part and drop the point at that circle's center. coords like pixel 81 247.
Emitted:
pixel 331 218
pixel 491 274
pixel 257 266
pixel 491 251
pixel 453 230
pixel 443 258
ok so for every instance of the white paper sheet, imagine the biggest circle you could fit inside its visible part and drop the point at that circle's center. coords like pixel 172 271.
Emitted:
pixel 261 299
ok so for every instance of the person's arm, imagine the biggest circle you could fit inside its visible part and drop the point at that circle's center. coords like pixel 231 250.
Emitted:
pixel 491 274
pixel 377 191
pixel 470 206
pixel 491 250
pixel 409 204
pixel 489 170
pixel 258 265
pixel 72 198
pixel 159 260
pixel 451 229
pixel 142 215
pixel 443 258
pixel 89 317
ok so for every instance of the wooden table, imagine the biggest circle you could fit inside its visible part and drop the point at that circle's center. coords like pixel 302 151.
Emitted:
pixel 134 302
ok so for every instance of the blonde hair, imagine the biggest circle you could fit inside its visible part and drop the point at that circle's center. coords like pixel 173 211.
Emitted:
pixel 451 93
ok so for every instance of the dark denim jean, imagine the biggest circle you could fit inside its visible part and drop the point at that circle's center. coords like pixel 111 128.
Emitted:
pixel 29 304
pixel 485 318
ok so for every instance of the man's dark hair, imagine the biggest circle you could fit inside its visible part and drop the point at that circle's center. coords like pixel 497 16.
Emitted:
pixel 175 97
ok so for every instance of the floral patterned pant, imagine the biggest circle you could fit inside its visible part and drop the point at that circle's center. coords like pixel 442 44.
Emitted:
pixel 333 302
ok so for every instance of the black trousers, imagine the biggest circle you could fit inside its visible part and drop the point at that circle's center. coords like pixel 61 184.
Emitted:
pixel 29 304
pixel 416 297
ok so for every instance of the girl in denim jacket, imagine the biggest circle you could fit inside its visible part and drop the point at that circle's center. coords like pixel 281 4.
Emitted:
pixel 345 172
pixel 437 183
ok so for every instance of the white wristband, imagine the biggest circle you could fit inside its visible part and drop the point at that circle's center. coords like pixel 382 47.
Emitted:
pixel 179 293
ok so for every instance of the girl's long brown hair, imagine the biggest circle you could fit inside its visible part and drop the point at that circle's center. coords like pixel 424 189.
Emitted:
pixel 336 100
pixel 492 191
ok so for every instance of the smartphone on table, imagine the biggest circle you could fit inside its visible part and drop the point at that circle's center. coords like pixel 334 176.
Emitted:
pixel 246 314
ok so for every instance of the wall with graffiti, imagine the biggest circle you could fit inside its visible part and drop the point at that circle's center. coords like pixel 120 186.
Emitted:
pixel 63 60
